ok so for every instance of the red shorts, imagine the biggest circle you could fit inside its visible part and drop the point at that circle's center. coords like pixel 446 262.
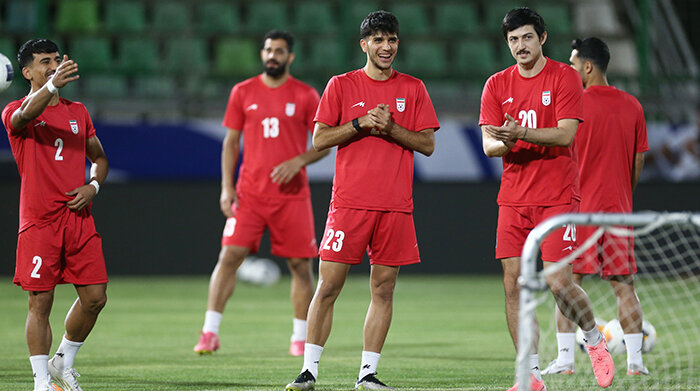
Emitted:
pixel 388 237
pixel 610 255
pixel 291 224
pixel 516 222
pixel 68 250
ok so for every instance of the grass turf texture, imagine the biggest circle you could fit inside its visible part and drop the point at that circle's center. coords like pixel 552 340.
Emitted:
pixel 448 333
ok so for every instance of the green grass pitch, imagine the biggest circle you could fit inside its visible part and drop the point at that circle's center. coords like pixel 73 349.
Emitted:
pixel 448 333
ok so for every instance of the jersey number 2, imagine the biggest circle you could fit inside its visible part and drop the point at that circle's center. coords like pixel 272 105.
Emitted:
pixel 37 261
pixel 59 148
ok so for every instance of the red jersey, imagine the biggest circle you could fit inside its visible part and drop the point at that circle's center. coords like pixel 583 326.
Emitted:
pixel 276 124
pixel 614 131
pixel 373 171
pixel 534 175
pixel 50 155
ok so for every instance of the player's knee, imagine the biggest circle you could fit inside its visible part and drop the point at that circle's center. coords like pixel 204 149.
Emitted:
pixel 231 257
pixel 95 304
pixel 383 290
pixel 40 303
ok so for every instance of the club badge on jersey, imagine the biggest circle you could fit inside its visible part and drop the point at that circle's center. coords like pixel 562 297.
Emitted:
pixel 400 104
pixel 546 97
pixel 74 126
pixel 289 109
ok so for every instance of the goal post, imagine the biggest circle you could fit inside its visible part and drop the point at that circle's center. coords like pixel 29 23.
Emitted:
pixel 667 252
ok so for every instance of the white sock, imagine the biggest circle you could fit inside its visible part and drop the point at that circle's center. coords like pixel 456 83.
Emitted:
pixel 592 337
pixel 566 343
pixel 212 321
pixel 40 367
pixel 299 331
pixel 370 360
pixel 312 356
pixel 535 366
pixel 65 355
pixel 633 342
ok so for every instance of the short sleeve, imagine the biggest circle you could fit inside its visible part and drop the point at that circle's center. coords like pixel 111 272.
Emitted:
pixel 425 112
pixel 642 142
pixel 7 115
pixel 233 117
pixel 88 124
pixel 569 104
pixel 311 106
pixel 490 111
pixel 328 111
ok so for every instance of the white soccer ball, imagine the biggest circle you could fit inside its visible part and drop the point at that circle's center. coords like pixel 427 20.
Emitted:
pixel 259 271
pixel 579 333
pixel 649 332
pixel 614 336
pixel 7 73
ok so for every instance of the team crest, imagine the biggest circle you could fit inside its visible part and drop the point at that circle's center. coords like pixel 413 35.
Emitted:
pixel 546 97
pixel 289 109
pixel 74 126
pixel 400 104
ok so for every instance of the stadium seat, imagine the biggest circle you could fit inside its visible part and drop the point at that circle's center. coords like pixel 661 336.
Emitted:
pixel 21 16
pixel 496 10
pixel 423 59
pixel 77 16
pixel 456 18
pixel 186 55
pixel 124 17
pixel 138 55
pixel 413 18
pixel 93 54
pixel 353 12
pixel 474 59
pixel 314 17
pixel 154 87
pixel 328 56
pixel 236 57
pixel 171 17
pixel 105 86
pixel 264 16
pixel 556 18
pixel 217 18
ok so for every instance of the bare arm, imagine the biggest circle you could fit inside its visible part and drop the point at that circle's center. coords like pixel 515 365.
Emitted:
pixel 98 172
pixel 637 169
pixel 230 150
pixel 511 131
pixel 285 171
pixel 493 147
pixel 326 136
pixel 36 102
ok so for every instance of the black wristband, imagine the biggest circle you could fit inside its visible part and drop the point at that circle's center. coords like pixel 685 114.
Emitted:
pixel 356 125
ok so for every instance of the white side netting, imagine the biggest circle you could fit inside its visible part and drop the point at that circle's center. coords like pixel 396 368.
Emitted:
pixel 667 252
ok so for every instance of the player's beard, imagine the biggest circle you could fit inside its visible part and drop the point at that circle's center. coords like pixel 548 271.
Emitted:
pixel 275 72
pixel 378 64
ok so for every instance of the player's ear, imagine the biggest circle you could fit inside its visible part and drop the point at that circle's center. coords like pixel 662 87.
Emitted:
pixel 26 72
pixel 543 38
pixel 588 67
pixel 363 45
pixel 290 58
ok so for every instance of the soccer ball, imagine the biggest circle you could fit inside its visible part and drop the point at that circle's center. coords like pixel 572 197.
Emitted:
pixel 649 332
pixel 614 337
pixel 259 271
pixel 6 72
pixel 579 333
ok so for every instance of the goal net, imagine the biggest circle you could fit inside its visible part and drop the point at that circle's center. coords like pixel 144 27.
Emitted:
pixel 666 247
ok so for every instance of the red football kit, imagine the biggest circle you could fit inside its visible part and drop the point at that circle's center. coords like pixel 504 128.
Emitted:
pixel 535 176
pixel 55 245
pixel 276 124
pixel 606 144
pixel 373 173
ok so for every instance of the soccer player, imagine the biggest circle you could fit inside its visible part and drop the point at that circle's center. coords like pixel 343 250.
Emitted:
pixel 57 244
pixel 274 111
pixel 377 117
pixel 540 175
pixel 610 145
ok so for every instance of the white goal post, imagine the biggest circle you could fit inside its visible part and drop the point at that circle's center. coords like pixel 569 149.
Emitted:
pixel 667 251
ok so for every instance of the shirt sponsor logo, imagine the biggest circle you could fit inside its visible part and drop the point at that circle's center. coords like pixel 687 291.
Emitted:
pixel 509 100
pixel 361 104
pixel 74 126
pixel 254 106
pixel 546 97
pixel 400 104
pixel 42 123
pixel 289 109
